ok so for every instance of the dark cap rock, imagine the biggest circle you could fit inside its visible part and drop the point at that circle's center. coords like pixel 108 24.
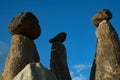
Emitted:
pixel 61 37
pixel 27 24
pixel 103 14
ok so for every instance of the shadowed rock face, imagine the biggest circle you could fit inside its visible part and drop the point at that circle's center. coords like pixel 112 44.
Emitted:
pixel 103 14
pixel 107 60
pixel 58 61
pixel 93 70
pixel 25 23
pixel 61 37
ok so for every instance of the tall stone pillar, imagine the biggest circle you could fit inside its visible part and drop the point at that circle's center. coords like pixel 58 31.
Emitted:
pixel 24 29
pixel 58 60
pixel 107 58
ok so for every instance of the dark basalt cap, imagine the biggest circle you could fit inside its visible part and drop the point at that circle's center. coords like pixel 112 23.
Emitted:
pixel 27 24
pixel 61 37
pixel 103 14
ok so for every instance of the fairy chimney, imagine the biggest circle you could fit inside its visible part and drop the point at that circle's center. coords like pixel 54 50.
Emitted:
pixel 24 29
pixel 58 60
pixel 107 60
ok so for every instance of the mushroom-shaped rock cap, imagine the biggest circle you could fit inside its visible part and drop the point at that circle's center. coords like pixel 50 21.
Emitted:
pixel 27 24
pixel 103 14
pixel 61 37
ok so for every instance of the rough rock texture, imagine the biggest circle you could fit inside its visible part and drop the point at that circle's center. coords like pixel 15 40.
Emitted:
pixel 24 29
pixel 61 37
pixel 103 14
pixel 22 52
pixel 35 71
pixel 58 61
pixel 108 53
pixel 107 60
pixel 25 23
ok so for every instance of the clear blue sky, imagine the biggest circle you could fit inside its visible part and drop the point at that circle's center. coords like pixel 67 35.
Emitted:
pixel 55 16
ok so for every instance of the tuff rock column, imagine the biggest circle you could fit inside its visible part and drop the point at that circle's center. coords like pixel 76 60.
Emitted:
pixel 107 58
pixel 24 29
pixel 58 61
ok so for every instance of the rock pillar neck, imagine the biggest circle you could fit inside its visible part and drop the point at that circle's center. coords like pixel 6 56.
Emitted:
pixel 58 61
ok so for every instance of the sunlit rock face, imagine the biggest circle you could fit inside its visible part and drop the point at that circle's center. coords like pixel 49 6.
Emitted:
pixel 106 64
pixel 22 49
pixel 58 60
pixel 22 52
pixel 35 71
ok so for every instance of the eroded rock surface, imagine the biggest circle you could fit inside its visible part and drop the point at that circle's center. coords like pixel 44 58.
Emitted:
pixel 24 29
pixel 107 60
pixel 35 71
pixel 58 61
pixel 22 52
pixel 27 24
pixel 61 37
pixel 103 14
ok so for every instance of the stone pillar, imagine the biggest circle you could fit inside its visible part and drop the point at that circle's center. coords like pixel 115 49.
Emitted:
pixel 58 61
pixel 107 58
pixel 24 29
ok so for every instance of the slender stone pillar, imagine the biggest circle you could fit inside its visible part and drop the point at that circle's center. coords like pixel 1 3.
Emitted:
pixel 58 61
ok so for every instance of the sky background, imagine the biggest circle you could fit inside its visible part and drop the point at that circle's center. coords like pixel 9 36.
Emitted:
pixel 55 16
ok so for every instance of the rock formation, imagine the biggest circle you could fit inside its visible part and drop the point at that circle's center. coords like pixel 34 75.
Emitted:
pixel 104 14
pixel 25 23
pixel 58 38
pixel 35 71
pixel 58 61
pixel 24 29
pixel 107 58
pixel 93 71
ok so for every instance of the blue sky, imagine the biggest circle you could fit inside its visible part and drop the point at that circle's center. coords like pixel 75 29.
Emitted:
pixel 55 16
